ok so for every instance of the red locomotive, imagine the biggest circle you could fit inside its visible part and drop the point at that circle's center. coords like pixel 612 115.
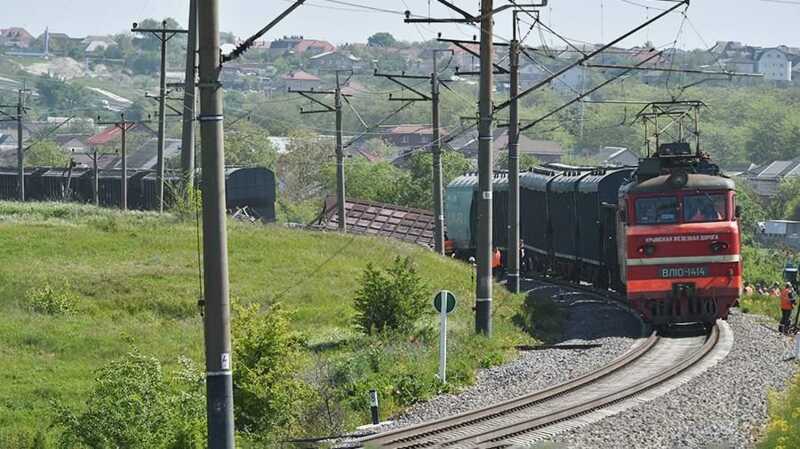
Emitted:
pixel 665 233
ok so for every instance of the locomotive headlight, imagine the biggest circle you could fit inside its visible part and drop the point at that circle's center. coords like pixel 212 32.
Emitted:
pixel 647 250
pixel 718 246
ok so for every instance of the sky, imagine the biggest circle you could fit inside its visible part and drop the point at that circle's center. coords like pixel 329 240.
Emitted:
pixel 755 22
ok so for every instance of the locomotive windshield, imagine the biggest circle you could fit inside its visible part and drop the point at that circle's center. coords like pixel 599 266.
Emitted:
pixel 657 210
pixel 702 208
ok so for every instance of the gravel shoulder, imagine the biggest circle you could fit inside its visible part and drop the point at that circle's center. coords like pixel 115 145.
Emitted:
pixel 589 322
pixel 725 407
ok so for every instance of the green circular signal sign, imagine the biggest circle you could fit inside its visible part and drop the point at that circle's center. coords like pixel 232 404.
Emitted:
pixel 450 302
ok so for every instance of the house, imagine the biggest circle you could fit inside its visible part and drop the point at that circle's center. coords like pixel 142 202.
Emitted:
pixel 96 44
pixel 543 150
pixel 774 63
pixel 766 179
pixel 15 37
pixel 301 80
pixel 573 80
pixel 145 157
pixel 300 45
pixel 72 142
pixel 334 60
pixel 405 136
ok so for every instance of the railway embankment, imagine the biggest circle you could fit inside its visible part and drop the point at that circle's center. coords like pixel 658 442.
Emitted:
pixel 725 407
pixel 82 287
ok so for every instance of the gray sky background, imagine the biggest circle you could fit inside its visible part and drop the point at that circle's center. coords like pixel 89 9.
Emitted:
pixel 751 21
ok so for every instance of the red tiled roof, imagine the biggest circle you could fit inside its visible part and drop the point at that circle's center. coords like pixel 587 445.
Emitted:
pixel 388 220
pixel 107 135
pixel 305 44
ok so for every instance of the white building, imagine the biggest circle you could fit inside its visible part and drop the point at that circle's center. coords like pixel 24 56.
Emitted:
pixel 774 64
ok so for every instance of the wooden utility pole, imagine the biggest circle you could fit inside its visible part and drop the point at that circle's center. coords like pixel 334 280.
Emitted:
pixel 19 112
pixel 337 108
pixel 219 380
pixel 163 34
pixel 124 126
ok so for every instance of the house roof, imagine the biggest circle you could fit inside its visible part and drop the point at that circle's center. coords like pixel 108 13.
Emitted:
pixel 300 76
pixel 414 129
pixel 307 44
pixel 526 145
pixel 381 219
pixel 145 157
pixel 107 135
pixel 334 53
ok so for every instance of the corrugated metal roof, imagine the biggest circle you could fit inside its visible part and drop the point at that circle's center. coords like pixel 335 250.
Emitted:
pixel 775 169
pixel 388 220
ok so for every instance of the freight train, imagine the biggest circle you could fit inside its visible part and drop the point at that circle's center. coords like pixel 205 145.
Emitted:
pixel 664 234
pixel 253 188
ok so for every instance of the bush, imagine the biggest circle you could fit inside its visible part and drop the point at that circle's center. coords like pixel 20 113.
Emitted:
pixel 48 301
pixel 132 405
pixel 268 395
pixel 393 300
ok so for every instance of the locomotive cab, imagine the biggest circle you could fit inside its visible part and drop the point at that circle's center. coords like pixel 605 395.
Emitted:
pixel 680 259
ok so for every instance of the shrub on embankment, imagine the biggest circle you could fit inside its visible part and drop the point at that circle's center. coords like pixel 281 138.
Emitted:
pixel 128 283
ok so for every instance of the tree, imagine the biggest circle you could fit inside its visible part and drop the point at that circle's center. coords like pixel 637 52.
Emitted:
pixel 417 190
pixel 374 181
pixel 132 404
pixel 302 166
pixel 526 161
pixel 393 300
pixel 46 153
pixel 268 394
pixel 248 145
pixel 382 39
pixel 57 94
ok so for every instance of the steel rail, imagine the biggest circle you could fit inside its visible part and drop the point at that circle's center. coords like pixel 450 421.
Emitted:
pixel 498 437
pixel 408 434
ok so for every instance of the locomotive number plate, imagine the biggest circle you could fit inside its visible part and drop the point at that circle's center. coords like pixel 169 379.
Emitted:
pixel 683 272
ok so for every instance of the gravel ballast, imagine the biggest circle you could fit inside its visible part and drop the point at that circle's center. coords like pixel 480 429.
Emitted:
pixel 590 321
pixel 725 407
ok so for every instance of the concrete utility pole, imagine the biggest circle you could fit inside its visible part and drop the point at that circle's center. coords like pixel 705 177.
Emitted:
pixel 189 101
pixel 219 380
pixel 124 126
pixel 483 297
pixel 513 166
pixel 438 209
pixel 340 196
pixel 436 141
pixel 338 97
pixel 164 35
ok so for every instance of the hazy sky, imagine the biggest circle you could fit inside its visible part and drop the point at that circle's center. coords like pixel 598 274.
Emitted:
pixel 756 22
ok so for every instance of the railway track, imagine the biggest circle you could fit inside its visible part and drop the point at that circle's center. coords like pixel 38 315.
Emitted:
pixel 538 415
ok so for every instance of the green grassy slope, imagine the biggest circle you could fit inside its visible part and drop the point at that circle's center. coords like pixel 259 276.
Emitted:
pixel 135 277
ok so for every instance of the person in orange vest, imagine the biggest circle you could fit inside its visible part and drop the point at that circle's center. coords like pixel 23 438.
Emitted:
pixel 787 304
pixel 497 264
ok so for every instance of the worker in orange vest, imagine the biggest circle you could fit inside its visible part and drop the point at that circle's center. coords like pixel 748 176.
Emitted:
pixel 497 264
pixel 787 303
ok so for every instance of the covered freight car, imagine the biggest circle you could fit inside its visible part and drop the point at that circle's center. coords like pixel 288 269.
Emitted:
pixel 568 216
pixel 461 212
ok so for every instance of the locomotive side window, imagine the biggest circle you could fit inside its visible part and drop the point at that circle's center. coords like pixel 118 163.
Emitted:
pixel 702 208
pixel 657 210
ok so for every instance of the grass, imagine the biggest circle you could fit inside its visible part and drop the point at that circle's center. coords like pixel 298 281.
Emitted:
pixel 131 281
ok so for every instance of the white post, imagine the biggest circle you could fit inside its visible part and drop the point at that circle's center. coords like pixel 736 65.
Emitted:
pixel 443 336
